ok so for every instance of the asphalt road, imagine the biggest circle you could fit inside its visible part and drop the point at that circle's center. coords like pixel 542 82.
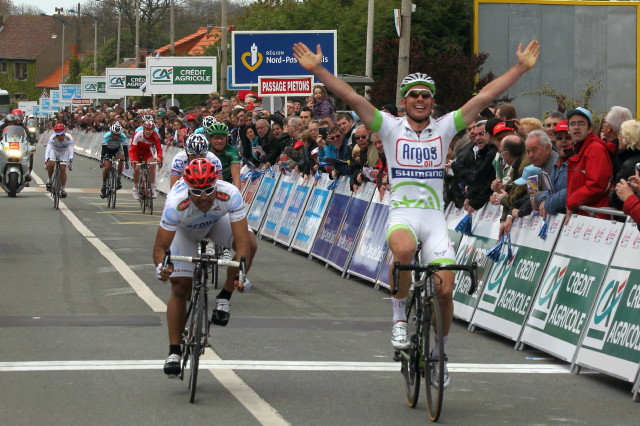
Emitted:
pixel 83 338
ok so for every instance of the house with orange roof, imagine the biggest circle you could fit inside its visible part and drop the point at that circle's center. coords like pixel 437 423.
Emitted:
pixel 194 44
pixel 31 53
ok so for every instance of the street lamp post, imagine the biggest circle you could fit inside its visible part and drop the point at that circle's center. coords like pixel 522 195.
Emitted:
pixel 95 37
pixel 137 49
pixel 64 24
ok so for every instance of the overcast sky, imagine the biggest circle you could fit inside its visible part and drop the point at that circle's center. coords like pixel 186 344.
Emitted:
pixel 48 6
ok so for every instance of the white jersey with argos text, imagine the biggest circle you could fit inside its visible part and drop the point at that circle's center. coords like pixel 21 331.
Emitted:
pixel 180 213
pixel 416 161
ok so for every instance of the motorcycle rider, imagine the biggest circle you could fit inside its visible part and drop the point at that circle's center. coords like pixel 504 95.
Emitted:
pixel 114 145
pixel 60 146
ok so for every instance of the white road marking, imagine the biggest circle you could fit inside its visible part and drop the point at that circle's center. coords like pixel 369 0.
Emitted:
pixel 212 362
pixel 258 407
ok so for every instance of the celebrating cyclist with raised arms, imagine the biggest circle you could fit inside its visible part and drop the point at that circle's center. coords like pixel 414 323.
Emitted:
pixel 196 146
pixel 416 147
pixel 199 206
pixel 59 147
pixel 140 151
pixel 114 145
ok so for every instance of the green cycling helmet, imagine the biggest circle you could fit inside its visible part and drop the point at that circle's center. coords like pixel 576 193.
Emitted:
pixel 217 128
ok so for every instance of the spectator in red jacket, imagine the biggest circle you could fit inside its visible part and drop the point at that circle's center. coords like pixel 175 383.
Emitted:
pixel 628 193
pixel 589 171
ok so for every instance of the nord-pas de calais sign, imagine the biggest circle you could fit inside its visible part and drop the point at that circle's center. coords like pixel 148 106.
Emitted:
pixel 125 81
pixel 270 53
pixel 182 75
pixel 95 87
pixel 289 86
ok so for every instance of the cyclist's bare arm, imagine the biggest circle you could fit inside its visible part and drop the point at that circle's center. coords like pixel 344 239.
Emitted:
pixel 235 175
pixel 312 62
pixel 173 179
pixel 242 240
pixel 163 241
pixel 526 60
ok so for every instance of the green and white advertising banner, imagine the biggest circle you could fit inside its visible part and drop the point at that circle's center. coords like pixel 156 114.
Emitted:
pixel 182 75
pixel 95 87
pixel 511 285
pixel 611 343
pixel 454 215
pixel 125 81
pixel 570 284
pixel 485 228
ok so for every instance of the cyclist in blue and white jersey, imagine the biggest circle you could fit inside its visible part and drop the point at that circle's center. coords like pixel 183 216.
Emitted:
pixel 196 146
pixel 114 145
pixel 415 146
pixel 199 206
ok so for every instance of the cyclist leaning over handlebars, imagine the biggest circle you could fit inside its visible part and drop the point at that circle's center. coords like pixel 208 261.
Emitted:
pixel 199 206
pixel 60 146
pixel 140 151
pixel 114 145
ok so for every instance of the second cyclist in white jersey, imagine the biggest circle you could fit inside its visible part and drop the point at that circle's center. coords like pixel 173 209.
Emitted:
pixel 114 146
pixel 196 146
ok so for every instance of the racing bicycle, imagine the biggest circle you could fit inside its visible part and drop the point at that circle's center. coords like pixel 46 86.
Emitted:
pixel 56 186
pixel 423 312
pixel 112 182
pixel 196 335
pixel 145 195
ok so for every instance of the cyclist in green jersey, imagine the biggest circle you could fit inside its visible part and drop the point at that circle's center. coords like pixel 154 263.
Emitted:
pixel 218 134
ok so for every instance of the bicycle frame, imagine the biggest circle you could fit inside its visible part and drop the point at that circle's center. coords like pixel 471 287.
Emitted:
pixel 196 333
pixel 144 187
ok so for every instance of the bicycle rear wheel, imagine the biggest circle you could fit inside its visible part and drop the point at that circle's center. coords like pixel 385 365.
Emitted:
pixel 411 358
pixel 142 193
pixel 198 343
pixel 149 197
pixel 434 381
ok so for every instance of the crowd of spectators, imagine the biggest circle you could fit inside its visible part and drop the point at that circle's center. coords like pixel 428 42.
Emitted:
pixel 526 165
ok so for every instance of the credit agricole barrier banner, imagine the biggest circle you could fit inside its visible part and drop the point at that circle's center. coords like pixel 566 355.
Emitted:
pixel 182 75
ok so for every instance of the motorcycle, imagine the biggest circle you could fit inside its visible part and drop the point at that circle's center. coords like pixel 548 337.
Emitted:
pixel 15 152
pixel 32 130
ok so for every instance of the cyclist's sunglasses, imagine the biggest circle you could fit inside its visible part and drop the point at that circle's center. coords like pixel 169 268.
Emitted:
pixel 415 93
pixel 206 191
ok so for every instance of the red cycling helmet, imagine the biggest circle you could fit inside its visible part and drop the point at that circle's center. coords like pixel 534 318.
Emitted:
pixel 17 112
pixel 191 117
pixel 200 173
pixel 59 128
pixel 148 125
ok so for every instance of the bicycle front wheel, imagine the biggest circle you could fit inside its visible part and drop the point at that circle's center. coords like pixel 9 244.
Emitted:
pixel 434 365
pixel 198 344
pixel 149 197
pixel 55 188
pixel 411 358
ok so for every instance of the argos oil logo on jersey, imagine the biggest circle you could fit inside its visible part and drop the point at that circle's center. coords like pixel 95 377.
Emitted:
pixel 412 153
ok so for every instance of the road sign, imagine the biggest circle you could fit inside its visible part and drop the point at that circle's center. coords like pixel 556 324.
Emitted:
pixel 184 74
pixel 270 53
pixel 285 86
pixel 81 101
pixel 125 81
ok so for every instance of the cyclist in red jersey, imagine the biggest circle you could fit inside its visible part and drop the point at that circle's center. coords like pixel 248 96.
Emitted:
pixel 140 151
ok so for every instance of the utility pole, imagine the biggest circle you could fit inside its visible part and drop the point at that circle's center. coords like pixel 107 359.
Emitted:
pixel 405 45
pixel 368 67
pixel 171 29
pixel 78 27
pixel 137 48
pixel 223 49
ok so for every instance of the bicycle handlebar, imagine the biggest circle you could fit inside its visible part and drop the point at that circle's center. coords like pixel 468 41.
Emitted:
pixel 431 269
pixel 208 260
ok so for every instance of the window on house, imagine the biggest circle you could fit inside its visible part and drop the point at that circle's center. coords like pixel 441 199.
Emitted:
pixel 21 70
pixel 3 67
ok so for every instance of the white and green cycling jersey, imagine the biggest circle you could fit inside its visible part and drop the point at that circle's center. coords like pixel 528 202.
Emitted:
pixel 416 162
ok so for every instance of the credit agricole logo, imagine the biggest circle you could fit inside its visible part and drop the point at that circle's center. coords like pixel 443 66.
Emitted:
pixel 182 75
